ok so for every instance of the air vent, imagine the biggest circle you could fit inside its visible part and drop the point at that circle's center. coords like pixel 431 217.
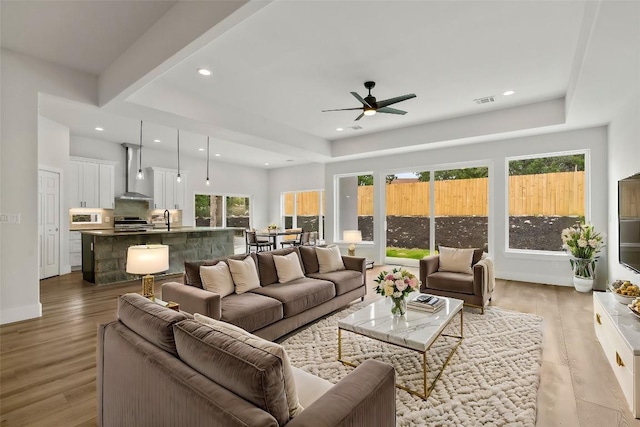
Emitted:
pixel 485 100
pixel 355 127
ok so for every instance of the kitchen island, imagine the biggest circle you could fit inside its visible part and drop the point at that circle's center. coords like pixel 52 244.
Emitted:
pixel 104 252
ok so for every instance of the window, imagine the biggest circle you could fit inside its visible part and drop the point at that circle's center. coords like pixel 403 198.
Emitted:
pixel 546 194
pixel 222 211
pixel 354 209
pixel 461 203
pixel 304 209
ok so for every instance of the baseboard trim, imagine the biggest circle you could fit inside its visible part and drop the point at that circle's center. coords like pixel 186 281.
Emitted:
pixel 20 313
pixel 534 278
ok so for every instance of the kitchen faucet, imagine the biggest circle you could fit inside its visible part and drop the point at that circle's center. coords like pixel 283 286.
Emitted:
pixel 167 219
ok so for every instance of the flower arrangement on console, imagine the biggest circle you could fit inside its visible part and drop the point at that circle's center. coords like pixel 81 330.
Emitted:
pixel 397 285
pixel 584 244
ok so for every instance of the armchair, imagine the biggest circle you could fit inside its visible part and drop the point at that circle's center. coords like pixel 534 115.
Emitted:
pixel 475 288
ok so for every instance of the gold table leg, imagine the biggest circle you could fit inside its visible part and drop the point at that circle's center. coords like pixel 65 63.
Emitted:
pixel 426 389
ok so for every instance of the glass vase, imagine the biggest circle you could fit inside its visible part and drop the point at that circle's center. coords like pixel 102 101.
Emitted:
pixel 398 306
pixel 583 267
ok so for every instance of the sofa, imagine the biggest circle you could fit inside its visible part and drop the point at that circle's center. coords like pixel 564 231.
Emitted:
pixel 159 367
pixel 474 287
pixel 274 309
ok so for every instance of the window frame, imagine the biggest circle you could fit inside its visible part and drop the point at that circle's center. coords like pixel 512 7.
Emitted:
pixel 537 253
pixel 294 216
pixel 225 196
pixel 336 205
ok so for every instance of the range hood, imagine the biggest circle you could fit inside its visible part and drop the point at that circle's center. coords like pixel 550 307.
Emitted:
pixel 129 151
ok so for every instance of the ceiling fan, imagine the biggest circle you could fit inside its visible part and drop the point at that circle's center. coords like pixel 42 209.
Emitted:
pixel 370 106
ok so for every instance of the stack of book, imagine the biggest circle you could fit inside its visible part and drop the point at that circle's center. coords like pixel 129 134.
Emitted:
pixel 424 302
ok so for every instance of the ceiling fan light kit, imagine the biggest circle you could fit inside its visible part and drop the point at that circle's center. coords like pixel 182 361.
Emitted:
pixel 371 106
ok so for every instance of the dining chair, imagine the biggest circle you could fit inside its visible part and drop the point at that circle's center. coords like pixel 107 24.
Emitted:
pixel 252 241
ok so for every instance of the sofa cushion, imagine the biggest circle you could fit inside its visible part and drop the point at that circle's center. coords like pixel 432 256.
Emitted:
pixel 149 320
pixel 251 372
pixel 300 294
pixel 244 273
pixel 276 349
pixel 451 282
pixel 217 279
pixel 309 259
pixel 266 266
pixel 250 311
pixel 344 280
pixel 455 260
pixel 329 259
pixel 192 269
pixel 309 387
pixel 288 267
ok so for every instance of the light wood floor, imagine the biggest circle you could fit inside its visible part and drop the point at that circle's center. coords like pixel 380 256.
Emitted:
pixel 47 365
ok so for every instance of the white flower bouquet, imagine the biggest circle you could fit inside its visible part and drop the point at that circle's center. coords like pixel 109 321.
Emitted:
pixel 584 244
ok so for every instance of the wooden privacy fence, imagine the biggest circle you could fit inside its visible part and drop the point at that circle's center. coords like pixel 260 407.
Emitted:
pixel 560 193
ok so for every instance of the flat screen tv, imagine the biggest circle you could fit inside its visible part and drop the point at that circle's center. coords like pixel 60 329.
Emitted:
pixel 629 222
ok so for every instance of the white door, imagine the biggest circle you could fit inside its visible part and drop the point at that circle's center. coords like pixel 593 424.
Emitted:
pixel 49 223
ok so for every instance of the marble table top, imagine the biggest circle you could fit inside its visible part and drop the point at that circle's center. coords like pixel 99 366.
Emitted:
pixel 626 322
pixel 416 330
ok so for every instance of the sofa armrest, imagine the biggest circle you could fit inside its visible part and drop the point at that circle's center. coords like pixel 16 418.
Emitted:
pixel 480 278
pixel 356 264
pixel 192 299
pixel 428 265
pixel 365 397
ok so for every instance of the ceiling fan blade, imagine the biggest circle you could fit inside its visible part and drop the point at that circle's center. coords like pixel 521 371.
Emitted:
pixel 391 110
pixel 359 117
pixel 395 100
pixel 343 109
pixel 359 98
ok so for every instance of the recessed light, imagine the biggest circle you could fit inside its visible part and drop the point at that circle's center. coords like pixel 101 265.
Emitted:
pixel 339 129
pixel 266 164
pixel 200 149
pixel 290 160
pixel 156 140
pixel 509 92
pixel 217 155
pixel 204 72
pixel 99 129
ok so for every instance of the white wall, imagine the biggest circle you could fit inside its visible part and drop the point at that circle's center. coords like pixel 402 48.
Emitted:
pixel 53 155
pixel 22 79
pixel 624 160
pixel 553 269
pixel 225 178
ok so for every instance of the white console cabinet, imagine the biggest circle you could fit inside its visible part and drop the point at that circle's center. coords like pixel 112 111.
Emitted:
pixel 618 331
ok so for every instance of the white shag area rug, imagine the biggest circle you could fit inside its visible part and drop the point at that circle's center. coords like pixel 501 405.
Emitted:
pixel 492 379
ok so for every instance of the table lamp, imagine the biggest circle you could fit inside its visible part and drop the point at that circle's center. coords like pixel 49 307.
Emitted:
pixel 146 260
pixel 352 237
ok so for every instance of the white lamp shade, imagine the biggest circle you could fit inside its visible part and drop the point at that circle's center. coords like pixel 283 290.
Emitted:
pixel 352 236
pixel 147 259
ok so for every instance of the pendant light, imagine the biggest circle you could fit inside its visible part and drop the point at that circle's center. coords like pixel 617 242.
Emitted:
pixel 178 177
pixel 207 181
pixel 140 175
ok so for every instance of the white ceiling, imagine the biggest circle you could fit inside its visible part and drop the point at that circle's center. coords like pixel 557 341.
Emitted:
pixel 277 67
pixel 86 35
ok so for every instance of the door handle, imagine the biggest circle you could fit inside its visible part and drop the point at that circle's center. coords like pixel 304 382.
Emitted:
pixel 619 360
pixel 598 319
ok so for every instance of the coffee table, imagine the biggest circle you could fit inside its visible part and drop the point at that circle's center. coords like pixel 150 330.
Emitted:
pixel 417 331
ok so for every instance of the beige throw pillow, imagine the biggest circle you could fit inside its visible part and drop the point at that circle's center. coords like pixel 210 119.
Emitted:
pixel 288 267
pixel 455 260
pixel 275 349
pixel 329 259
pixel 217 279
pixel 245 274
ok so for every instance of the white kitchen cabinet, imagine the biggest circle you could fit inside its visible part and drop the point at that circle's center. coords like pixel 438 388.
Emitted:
pixel 91 184
pixel 168 193
pixel 75 250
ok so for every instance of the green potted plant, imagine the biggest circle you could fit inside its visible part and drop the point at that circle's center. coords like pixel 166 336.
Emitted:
pixel 584 244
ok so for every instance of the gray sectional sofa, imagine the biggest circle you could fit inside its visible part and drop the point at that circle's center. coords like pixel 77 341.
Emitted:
pixel 157 367
pixel 273 309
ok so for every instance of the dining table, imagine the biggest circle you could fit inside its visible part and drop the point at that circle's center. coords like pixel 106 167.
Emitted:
pixel 273 235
